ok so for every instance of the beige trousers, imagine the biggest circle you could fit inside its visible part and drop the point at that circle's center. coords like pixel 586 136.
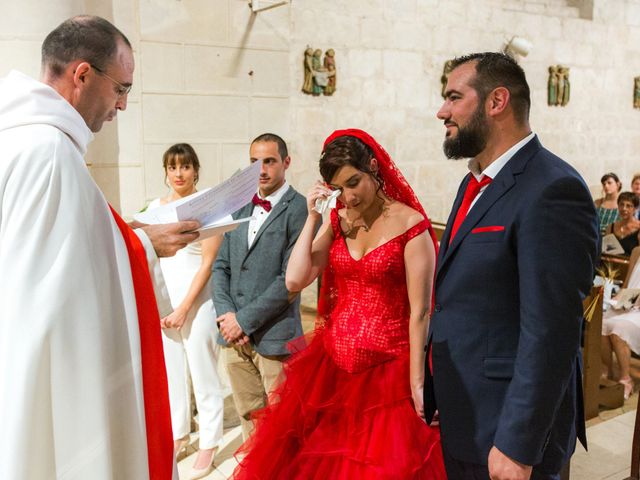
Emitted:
pixel 252 376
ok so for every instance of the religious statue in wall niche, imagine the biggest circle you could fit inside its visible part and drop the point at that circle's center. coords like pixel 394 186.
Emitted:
pixel 558 86
pixel 330 67
pixel 319 74
pixel 307 85
pixel 445 75
pixel 636 92
pixel 319 77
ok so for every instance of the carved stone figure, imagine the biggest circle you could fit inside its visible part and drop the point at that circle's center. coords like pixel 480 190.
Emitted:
pixel 552 86
pixel 564 87
pixel 636 92
pixel 445 75
pixel 330 67
pixel 558 86
pixel 307 85
pixel 319 80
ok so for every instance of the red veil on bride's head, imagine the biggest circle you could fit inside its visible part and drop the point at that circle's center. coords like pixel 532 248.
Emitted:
pixel 394 185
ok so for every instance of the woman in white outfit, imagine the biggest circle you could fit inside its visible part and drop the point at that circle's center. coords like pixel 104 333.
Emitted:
pixel 621 332
pixel 189 333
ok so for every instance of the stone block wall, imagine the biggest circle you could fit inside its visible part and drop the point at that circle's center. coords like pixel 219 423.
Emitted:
pixel 213 75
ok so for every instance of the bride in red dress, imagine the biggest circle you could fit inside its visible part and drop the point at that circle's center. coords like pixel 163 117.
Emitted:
pixel 350 403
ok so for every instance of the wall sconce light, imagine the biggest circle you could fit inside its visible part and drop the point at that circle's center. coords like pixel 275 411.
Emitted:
pixel 517 46
pixel 262 5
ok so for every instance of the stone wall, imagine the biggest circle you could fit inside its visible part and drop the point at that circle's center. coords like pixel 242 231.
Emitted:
pixel 211 73
pixel 390 56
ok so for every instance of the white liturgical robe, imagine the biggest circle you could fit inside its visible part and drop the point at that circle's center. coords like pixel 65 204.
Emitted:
pixel 71 398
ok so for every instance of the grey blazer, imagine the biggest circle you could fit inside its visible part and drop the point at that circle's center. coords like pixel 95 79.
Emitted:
pixel 250 281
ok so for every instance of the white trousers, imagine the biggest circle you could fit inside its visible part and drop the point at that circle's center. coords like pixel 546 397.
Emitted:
pixel 193 350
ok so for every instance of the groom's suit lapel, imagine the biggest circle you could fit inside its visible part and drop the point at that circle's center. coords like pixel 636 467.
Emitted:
pixel 504 181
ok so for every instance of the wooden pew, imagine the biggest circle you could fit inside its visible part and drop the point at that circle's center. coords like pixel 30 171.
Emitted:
pixel 438 228
pixel 591 361
pixel 596 391
pixel 618 263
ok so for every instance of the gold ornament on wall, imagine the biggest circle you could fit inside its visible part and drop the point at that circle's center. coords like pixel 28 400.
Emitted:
pixel 558 86
pixel 636 92
pixel 319 75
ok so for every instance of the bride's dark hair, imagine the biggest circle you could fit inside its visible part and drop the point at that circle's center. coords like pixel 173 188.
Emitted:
pixel 344 151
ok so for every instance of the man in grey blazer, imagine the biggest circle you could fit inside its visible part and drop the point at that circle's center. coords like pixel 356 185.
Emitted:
pixel 257 315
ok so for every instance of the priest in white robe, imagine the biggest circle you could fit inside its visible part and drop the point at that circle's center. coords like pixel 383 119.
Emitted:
pixel 81 366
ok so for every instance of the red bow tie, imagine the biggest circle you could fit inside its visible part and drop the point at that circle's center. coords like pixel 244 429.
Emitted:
pixel 266 204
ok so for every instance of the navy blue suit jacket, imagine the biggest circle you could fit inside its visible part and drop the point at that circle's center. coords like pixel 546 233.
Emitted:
pixel 505 332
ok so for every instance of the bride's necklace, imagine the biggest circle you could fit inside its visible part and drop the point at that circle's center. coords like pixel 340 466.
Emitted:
pixel 360 221
pixel 367 226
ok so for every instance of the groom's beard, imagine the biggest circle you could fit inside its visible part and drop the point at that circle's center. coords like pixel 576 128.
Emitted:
pixel 471 139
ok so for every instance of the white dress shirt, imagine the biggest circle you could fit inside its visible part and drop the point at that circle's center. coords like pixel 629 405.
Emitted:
pixel 494 167
pixel 259 214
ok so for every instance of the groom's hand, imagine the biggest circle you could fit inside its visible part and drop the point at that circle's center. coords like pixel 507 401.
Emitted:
pixel 435 421
pixel 502 467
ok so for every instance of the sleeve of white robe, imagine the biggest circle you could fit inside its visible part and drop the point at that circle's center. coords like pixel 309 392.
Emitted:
pixel 157 278
pixel 71 403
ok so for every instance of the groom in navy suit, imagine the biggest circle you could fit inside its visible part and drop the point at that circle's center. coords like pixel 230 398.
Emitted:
pixel 516 260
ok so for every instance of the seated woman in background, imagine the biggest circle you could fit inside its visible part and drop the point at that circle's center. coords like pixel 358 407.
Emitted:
pixel 621 332
pixel 607 206
pixel 627 227
pixel 190 332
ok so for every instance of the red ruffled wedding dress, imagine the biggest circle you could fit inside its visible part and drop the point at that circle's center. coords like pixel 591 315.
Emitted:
pixel 344 409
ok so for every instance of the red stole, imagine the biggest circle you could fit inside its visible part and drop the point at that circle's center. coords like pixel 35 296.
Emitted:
pixel 154 373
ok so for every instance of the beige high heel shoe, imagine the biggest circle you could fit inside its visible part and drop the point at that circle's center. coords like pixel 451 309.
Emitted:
pixel 180 444
pixel 196 473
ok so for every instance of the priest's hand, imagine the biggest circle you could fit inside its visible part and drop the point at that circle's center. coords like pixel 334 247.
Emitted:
pixel 230 328
pixel 168 238
pixel 502 467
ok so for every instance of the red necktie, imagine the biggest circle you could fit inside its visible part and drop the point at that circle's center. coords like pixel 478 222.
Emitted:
pixel 266 204
pixel 473 188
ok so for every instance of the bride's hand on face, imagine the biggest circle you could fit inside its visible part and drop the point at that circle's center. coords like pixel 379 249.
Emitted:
pixel 318 192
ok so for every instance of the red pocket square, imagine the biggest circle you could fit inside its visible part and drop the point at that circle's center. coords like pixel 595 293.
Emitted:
pixel 492 228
